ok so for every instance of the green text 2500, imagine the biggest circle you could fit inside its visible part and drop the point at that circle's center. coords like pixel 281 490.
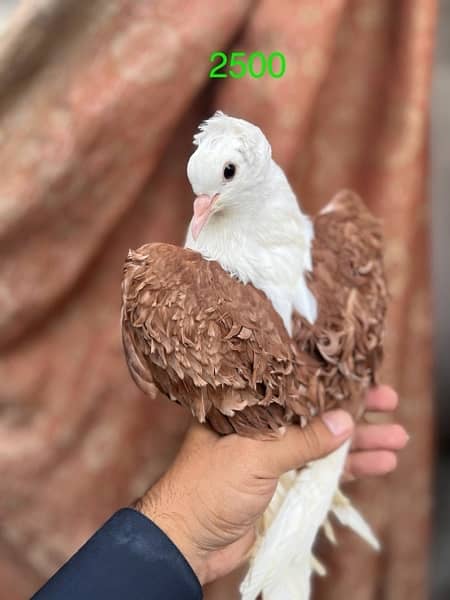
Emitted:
pixel 257 64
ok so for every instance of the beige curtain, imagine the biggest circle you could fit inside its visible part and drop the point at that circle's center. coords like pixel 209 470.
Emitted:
pixel 98 104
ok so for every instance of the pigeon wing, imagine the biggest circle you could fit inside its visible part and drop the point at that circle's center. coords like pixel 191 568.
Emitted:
pixel 210 343
pixel 348 281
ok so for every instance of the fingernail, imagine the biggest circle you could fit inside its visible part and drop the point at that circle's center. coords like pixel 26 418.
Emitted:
pixel 338 422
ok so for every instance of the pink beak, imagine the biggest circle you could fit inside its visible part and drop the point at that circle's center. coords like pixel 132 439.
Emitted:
pixel 202 209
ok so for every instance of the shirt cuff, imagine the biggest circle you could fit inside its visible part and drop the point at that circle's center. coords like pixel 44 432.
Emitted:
pixel 130 558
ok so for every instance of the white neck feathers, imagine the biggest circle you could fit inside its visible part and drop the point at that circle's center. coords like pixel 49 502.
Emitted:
pixel 267 242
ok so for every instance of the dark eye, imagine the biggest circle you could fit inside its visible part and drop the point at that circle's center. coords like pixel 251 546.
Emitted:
pixel 229 171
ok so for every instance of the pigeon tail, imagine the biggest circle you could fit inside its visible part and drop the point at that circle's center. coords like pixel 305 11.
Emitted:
pixel 283 562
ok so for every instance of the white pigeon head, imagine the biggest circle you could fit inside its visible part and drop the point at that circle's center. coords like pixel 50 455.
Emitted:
pixel 246 215
pixel 230 164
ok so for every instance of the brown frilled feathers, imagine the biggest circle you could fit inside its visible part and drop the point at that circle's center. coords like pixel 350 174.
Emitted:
pixel 218 347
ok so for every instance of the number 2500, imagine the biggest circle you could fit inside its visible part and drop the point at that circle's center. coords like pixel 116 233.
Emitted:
pixel 257 64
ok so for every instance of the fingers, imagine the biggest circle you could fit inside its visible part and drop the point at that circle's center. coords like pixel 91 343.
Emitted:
pixel 374 446
pixel 301 445
pixel 370 463
pixel 381 399
pixel 379 437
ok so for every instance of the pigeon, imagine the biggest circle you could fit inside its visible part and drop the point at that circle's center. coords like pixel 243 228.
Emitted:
pixel 265 318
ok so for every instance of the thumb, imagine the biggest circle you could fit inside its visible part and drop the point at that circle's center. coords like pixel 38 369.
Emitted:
pixel 299 445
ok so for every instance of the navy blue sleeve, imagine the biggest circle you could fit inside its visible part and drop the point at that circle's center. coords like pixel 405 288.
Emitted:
pixel 128 558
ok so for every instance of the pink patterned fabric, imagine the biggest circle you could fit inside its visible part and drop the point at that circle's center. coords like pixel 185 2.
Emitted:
pixel 99 103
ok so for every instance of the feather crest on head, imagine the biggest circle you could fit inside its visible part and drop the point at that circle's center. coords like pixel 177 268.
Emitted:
pixel 252 141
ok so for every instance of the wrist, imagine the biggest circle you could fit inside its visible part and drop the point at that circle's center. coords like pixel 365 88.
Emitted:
pixel 176 527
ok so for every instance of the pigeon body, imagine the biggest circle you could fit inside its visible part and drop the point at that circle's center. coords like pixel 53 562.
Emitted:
pixel 264 319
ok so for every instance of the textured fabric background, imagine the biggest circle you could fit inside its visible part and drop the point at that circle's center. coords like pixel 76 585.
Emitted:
pixel 98 104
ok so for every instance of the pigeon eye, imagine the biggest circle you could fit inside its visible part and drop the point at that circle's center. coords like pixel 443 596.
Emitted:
pixel 229 171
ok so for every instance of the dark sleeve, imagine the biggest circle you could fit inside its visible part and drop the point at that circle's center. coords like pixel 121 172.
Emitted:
pixel 129 558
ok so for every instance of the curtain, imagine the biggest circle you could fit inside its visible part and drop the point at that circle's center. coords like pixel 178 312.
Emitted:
pixel 98 104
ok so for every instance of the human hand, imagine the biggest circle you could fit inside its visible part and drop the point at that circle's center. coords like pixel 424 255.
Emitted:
pixel 211 498
pixel 374 445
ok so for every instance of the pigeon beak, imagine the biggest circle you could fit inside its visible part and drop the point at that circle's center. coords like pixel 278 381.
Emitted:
pixel 202 209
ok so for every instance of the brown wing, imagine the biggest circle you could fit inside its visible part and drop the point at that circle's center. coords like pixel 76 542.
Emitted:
pixel 348 278
pixel 210 343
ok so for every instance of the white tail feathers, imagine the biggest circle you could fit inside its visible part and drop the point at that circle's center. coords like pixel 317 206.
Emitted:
pixel 347 514
pixel 283 562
